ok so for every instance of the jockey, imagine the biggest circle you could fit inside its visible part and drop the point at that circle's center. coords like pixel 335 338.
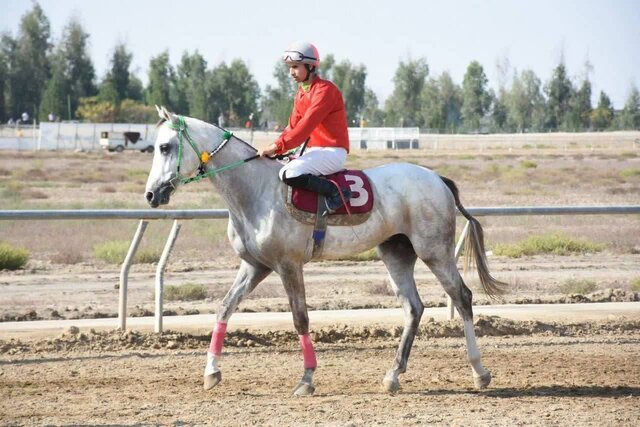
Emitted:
pixel 318 116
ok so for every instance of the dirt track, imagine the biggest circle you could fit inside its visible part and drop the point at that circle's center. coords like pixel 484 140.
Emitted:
pixel 544 373
pixel 581 378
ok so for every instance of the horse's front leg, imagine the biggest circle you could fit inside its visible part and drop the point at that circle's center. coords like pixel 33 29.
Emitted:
pixel 293 282
pixel 248 277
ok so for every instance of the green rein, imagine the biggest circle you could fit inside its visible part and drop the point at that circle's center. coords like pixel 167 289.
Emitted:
pixel 203 157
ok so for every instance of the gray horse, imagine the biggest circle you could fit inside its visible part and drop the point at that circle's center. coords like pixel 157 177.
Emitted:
pixel 414 216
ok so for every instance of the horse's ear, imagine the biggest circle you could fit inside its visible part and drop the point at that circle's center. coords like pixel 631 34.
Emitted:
pixel 170 117
pixel 159 110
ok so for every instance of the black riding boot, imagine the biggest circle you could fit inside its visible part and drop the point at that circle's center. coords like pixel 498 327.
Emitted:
pixel 323 186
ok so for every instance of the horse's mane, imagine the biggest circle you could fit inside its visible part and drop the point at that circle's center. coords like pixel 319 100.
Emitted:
pixel 162 120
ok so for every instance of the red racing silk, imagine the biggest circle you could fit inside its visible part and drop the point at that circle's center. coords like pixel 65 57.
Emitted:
pixel 318 113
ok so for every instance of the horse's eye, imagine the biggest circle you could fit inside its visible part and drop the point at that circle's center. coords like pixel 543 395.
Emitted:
pixel 164 148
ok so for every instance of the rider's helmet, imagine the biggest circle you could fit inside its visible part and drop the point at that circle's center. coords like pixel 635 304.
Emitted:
pixel 302 53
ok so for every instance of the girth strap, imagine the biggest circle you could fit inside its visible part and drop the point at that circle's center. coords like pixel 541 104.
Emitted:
pixel 319 228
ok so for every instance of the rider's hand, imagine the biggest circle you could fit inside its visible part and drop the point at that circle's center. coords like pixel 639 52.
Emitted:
pixel 269 150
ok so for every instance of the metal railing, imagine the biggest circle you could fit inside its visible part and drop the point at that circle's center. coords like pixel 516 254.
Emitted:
pixel 144 215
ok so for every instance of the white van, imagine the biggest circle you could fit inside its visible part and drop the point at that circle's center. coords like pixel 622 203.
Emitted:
pixel 120 141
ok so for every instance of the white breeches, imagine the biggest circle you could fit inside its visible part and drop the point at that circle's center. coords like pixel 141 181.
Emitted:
pixel 316 161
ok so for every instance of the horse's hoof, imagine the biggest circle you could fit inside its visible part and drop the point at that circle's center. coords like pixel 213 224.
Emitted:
pixel 304 389
pixel 390 386
pixel 482 381
pixel 210 381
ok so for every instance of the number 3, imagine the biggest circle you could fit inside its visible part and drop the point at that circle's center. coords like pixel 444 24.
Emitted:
pixel 359 196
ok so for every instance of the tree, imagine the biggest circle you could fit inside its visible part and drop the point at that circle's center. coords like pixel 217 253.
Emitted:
pixel 9 54
pixel 54 99
pixel 233 91
pixel 116 85
pixel 630 117
pixel 602 115
pixel 499 110
pixel 278 100
pixel 372 114
pixel 76 62
pixel 351 82
pixel 441 102
pixel 191 83
pixel 432 114
pixel 579 115
pixel 559 91
pixel 95 110
pixel 476 100
pixel 108 92
pixel 326 67
pixel 120 83
pixel 403 106
pixel 28 62
pixel 525 103
pixel 132 111
pixel 4 77
pixel 135 90
pixel 161 87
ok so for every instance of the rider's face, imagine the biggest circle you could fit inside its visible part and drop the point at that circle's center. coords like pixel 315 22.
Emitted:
pixel 298 72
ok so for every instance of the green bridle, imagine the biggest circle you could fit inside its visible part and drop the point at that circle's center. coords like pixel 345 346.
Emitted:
pixel 203 157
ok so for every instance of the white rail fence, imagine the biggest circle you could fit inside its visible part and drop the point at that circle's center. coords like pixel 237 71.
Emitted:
pixel 86 136
pixel 145 215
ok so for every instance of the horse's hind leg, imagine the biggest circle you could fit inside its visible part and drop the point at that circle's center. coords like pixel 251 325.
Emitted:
pixel 248 277
pixel 399 258
pixel 445 269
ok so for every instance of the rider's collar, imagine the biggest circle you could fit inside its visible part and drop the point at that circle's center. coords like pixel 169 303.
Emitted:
pixel 306 86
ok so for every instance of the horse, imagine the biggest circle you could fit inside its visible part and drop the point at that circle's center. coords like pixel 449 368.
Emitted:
pixel 414 216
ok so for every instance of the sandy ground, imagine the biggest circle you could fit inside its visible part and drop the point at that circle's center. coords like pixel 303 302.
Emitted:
pixel 87 291
pixel 545 373
pixel 543 379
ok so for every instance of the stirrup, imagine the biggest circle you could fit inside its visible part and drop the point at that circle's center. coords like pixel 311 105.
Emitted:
pixel 335 202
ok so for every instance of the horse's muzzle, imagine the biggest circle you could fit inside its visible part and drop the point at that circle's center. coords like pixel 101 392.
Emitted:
pixel 159 197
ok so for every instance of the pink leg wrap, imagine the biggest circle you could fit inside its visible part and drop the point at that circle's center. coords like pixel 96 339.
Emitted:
pixel 308 353
pixel 217 338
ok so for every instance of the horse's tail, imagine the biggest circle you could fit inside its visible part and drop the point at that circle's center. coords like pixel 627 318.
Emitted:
pixel 474 251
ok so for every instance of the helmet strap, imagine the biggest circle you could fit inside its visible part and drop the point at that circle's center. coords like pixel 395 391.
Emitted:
pixel 310 70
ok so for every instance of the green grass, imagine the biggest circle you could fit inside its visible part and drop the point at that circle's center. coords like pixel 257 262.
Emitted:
pixel 186 292
pixel 630 172
pixel 11 189
pixel 634 284
pixel 528 164
pixel 114 252
pixel 138 173
pixel 370 255
pixel 11 257
pixel 147 256
pixel 578 286
pixel 557 244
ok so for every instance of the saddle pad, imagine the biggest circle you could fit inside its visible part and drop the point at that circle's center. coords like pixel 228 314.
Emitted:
pixel 356 181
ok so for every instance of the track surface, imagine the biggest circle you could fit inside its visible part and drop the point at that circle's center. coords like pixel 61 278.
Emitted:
pixel 587 377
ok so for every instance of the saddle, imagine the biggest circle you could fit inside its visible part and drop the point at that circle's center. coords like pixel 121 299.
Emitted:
pixel 305 205
pixel 308 206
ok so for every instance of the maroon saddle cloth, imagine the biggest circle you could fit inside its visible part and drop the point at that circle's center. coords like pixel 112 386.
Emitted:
pixel 356 181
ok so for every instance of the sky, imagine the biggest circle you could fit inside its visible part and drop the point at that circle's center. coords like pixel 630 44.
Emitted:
pixel 534 35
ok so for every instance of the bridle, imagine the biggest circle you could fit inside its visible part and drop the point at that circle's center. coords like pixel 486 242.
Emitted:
pixel 203 157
